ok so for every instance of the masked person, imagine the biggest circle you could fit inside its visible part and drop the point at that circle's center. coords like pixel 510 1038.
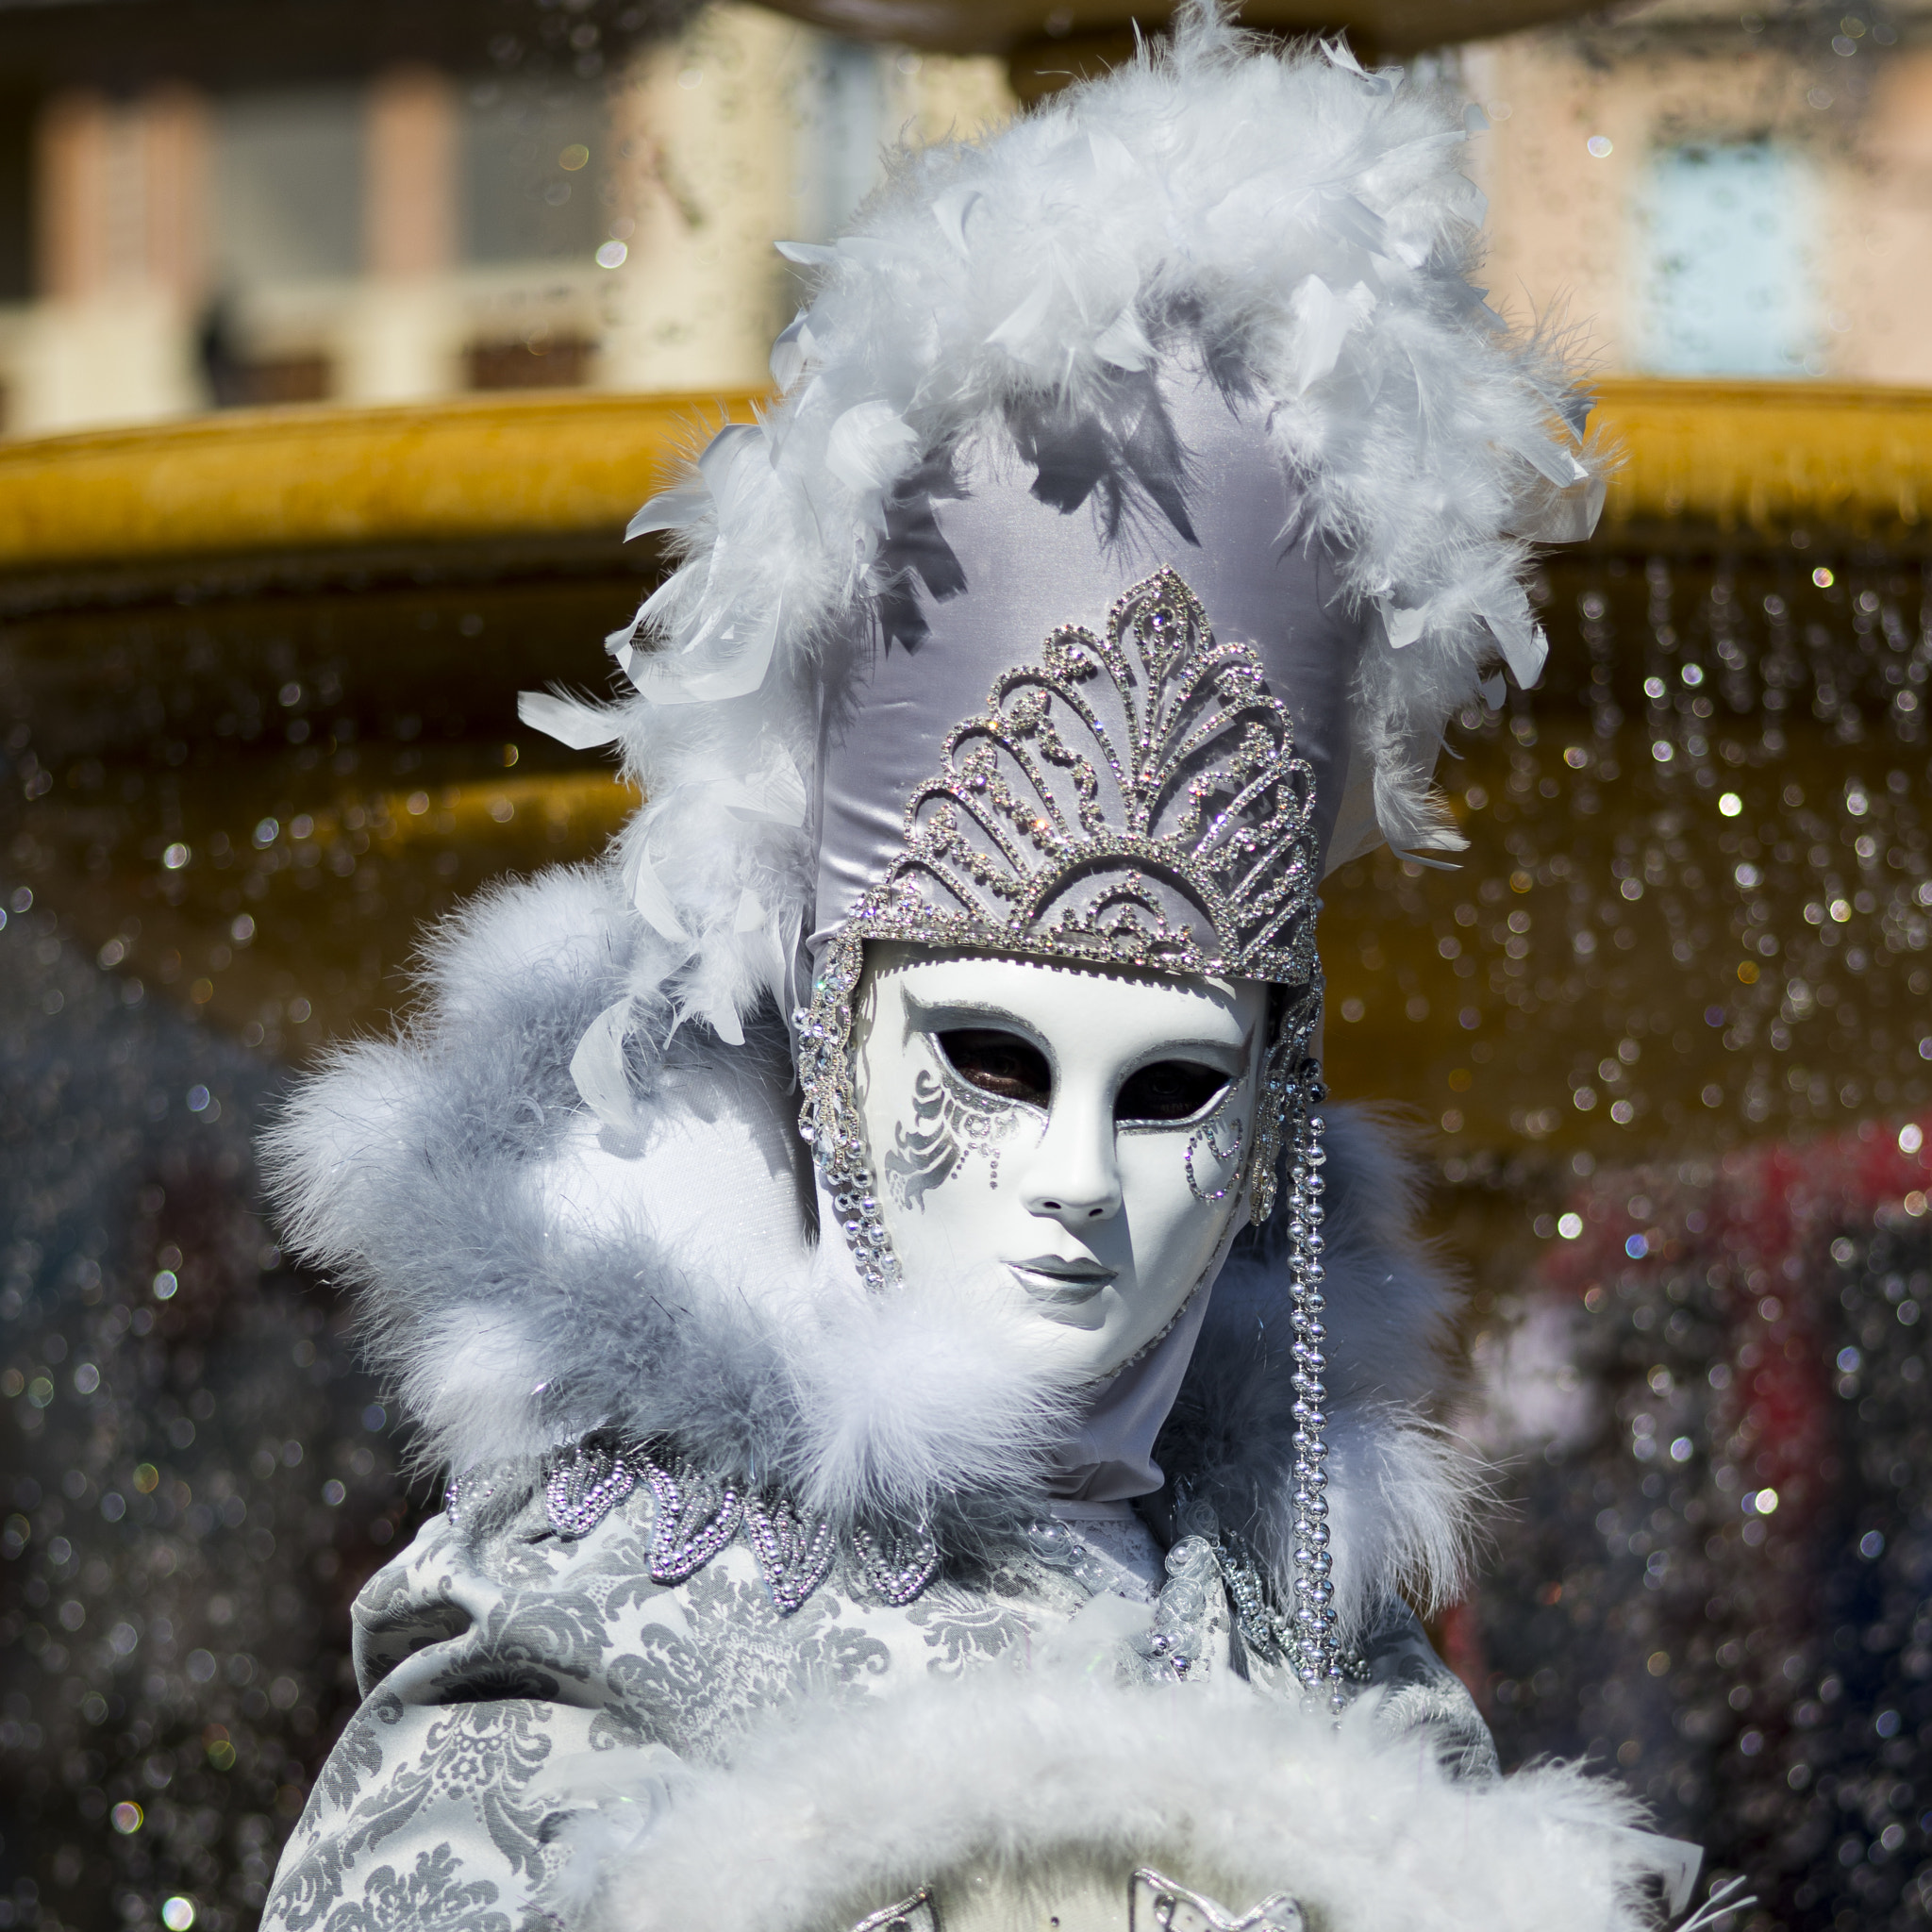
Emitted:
pixel 939 1407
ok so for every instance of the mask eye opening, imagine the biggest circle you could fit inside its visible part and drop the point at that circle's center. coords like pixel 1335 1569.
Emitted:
pixel 1170 1093
pixel 997 1062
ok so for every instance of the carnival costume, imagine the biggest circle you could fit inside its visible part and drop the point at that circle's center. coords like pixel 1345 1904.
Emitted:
pixel 1148 488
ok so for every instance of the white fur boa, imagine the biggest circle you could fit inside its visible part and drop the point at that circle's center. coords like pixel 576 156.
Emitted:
pixel 528 1275
pixel 1020 1782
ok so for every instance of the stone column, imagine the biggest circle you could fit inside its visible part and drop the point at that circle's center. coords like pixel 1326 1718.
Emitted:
pixel 406 337
pixel 172 124
pixel 705 129
pixel 122 217
pixel 70 193
pixel 1878 246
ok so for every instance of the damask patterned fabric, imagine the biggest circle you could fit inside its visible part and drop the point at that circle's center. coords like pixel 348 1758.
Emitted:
pixel 515 1681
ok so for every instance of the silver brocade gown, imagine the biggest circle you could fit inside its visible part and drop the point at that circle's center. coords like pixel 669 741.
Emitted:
pixel 513 1678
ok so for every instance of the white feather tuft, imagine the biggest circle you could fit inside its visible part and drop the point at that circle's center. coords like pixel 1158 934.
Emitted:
pixel 999 1784
pixel 1304 218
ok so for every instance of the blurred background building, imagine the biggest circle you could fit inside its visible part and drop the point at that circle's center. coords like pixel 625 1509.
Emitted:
pixel 563 197
pixel 585 196
pixel 338 341
pixel 1717 192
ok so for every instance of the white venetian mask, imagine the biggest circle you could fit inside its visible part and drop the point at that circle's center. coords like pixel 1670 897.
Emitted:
pixel 1074 1138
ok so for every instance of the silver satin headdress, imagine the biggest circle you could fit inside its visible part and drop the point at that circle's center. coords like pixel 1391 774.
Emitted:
pixel 1128 790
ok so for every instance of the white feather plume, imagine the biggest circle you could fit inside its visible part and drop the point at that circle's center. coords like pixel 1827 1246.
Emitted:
pixel 1306 219
pixel 1012 1782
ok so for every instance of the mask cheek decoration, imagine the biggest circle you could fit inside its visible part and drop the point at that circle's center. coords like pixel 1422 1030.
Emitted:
pixel 945 1129
pixel 1213 1151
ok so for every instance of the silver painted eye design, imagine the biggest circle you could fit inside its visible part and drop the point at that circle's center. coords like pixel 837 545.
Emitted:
pixel 1223 1124
pixel 994 1075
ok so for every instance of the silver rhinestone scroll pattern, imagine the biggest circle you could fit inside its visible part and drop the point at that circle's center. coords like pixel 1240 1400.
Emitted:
pixel 793 1552
pixel 1222 1121
pixel 1130 799
pixel 579 1493
pixel 696 1516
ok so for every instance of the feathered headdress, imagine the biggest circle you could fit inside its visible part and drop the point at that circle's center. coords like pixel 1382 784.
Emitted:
pixel 1303 228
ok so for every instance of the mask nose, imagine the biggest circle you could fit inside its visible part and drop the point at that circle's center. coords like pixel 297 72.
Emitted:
pixel 1073 1178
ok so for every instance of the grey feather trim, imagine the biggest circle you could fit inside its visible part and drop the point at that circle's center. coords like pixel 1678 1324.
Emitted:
pixel 518 1298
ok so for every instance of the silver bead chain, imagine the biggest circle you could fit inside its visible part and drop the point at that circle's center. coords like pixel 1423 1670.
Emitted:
pixel 829 1117
pixel 1317 1662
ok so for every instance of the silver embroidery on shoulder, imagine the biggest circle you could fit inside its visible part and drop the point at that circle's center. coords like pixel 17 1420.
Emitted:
pixel 1158 1904
pixel 696 1517
pixel 794 1552
pixel 919 1913
pixel 897 1565
pixel 580 1493
pixel 466 1495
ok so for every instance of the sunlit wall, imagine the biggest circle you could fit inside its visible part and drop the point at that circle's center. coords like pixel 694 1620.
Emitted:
pixel 598 214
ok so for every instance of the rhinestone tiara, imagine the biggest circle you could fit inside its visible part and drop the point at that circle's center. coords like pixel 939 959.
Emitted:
pixel 1130 799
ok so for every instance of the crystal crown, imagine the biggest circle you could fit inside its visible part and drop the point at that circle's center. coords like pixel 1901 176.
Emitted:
pixel 1129 799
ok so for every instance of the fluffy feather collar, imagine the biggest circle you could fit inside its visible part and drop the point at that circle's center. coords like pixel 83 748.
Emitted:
pixel 529 1272
pixel 997 1788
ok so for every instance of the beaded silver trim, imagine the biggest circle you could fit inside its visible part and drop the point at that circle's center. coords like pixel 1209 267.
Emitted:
pixel 461 1489
pixel 699 1514
pixel 794 1553
pixel 582 1491
pixel 896 1565
pixel 1156 1904
pixel 1316 1658
pixel 696 1516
